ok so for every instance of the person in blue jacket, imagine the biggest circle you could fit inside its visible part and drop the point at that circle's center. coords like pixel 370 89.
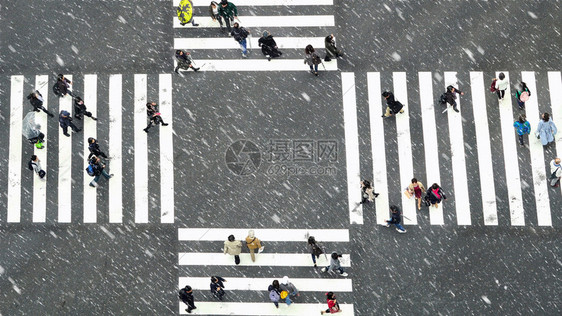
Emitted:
pixel 522 127
pixel 546 130
pixel 396 219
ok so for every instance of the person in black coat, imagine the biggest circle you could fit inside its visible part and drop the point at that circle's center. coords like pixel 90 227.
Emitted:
pixel 217 286
pixel 94 148
pixel 184 61
pixel 396 219
pixel 186 296
pixel 450 96
pixel 366 191
pixel 80 109
pixel 269 46
pixel 240 34
pixel 62 86
pixel 392 106
pixel 36 100
pixel 435 195
pixel 153 115
pixel 65 121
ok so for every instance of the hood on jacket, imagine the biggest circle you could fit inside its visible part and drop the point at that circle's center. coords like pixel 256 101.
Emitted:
pixel 285 280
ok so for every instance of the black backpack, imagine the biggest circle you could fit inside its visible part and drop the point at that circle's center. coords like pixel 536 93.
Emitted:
pixel 56 89
pixel 30 165
pixel 443 98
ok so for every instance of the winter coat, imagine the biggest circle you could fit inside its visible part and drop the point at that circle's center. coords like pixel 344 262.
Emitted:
pixel 334 263
pixel 433 198
pixel 64 119
pixel 239 33
pixel 229 11
pixel 276 290
pixel 518 93
pixel 546 131
pixel 98 167
pixel 211 13
pixel 502 84
pixel 215 286
pixel 450 96
pixel 289 287
pixel 233 247
pixel 79 106
pixel 312 59
pixel 36 101
pixel 184 58
pixel 253 243
pixel 522 128
pixel 333 306
pixel 62 86
pixel 94 148
pixel 151 110
pixel 556 169
pixel 315 249
pixel 331 50
pixel 267 41
pixel 395 218
pixel 37 166
pixel 187 298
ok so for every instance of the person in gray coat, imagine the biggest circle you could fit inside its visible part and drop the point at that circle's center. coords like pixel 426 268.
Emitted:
pixel 290 288
pixel 546 130
pixel 331 50
pixel 335 264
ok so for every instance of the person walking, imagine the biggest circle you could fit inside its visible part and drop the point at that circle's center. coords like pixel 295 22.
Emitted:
pixel 229 12
pixel 416 189
pixel 546 130
pixel 34 164
pixel 522 94
pixel 522 127
pixel 392 106
pixel 333 306
pixel 240 34
pixel 233 247
pixel 153 116
pixel 335 264
pixel 36 100
pixel 290 290
pixel 214 13
pixel 436 195
pixel 315 249
pixel 184 61
pixel 331 50
pixel 65 121
pixel 450 97
pixel 274 293
pixel 253 243
pixel 186 296
pixel 268 46
pixel 62 87
pixel 80 109
pixel 396 219
pixel 312 59
pixel 96 168
pixel 555 172
pixel 367 192
pixel 501 85
pixel 217 287
pixel 94 148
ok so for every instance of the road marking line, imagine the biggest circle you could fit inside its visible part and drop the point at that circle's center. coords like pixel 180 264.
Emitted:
pixel 40 185
pixel 431 151
pixel 253 3
pixel 15 147
pixel 166 151
pixel 115 149
pixel 263 309
pixel 540 177
pixel 229 43
pixel 263 259
pixel 89 130
pixel 65 164
pixel 485 166
pixel 258 65
pixel 555 85
pixel 462 202
pixel 380 183
pixel 265 21
pixel 264 234
pixel 511 164
pixel 404 148
pixel 141 150
pixel 352 148
pixel 261 284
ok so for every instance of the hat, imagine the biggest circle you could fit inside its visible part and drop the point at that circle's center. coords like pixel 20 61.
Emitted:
pixel 285 280
pixel 284 294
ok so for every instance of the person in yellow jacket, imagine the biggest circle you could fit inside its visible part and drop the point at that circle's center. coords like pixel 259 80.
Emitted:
pixel 233 247
pixel 253 243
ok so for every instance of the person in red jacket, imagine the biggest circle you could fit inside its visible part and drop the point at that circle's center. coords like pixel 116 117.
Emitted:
pixel 333 306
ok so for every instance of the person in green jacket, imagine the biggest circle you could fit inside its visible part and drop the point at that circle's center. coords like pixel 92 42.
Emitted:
pixel 522 127
pixel 228 11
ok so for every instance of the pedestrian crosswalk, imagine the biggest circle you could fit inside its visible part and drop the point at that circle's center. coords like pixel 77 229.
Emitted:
pixel 463 174
pixel 311 283
pixel 291 46
pixel 502 196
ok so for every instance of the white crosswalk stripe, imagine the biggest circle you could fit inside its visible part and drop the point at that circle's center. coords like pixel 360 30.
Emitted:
pixel 115 149
pixel 263 309
pixel 241 3
pixel 266 21
pixel 555 85
pixel 89 130
pixel 65 170
pixel 40 185
pixel 230 43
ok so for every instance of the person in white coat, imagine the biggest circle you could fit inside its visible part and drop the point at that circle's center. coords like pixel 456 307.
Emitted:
pixel 546 130
pixel 555 172
pixel 501 85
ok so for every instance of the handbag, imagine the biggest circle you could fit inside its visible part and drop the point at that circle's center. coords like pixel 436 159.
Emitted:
pixel 553 175
pixel 42 174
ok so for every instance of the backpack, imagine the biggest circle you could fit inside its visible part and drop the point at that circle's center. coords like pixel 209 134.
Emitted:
pixel 30 165
pixel 90 170
pixel 443 98
pixel 56 89
pixel 274 296
pixel 493 86
pixel 317 250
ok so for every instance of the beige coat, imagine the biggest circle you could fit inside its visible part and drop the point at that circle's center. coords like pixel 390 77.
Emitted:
pixel 233 247
pixel 253 242
pixel 411 187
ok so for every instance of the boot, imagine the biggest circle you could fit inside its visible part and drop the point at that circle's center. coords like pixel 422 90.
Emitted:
pixel 164 124
pixel 146 130
pixel 196 69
